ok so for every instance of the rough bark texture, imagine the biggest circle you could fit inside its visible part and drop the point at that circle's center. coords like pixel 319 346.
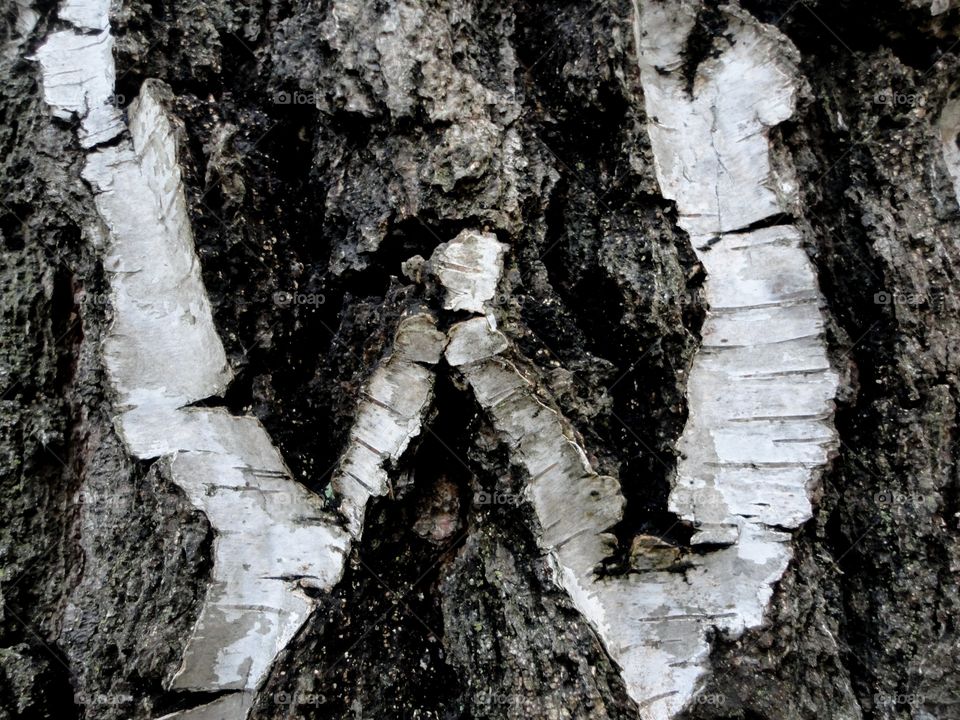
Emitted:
pixel 324 146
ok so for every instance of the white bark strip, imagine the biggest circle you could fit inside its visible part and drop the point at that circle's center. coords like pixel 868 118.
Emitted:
pixel 760 390
pixel 574 504
pixel 396 399
pixel 162 353
pixel 711 151
pixel 86 14
pixel 78 81
pixel 163 349
pixel 474 340
pixel 399 393
pixel 949 128
pixel 469 267
pixel 653 624
pixel 760 428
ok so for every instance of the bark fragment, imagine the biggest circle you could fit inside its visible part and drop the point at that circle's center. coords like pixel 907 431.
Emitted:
pixel 79 78
pixel 949 127
pixel 162 353
pixel 395 400
pixel 469 268
pixel 760 429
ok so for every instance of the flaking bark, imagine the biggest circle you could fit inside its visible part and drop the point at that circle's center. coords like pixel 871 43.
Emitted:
pixel 331 155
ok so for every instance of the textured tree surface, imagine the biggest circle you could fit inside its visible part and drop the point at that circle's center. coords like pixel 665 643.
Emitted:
pixel 331 154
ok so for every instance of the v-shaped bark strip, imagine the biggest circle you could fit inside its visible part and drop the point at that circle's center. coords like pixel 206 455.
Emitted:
pixel 760 391
pixel 162 353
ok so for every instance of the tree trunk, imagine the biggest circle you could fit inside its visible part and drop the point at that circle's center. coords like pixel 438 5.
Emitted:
pixel 464 359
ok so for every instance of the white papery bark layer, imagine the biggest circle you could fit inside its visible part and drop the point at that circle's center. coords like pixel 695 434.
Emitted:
pixel 469 267
pixel 949 128
pixel 398 395
pixel 162 353
pixel 394 403
pixel 760 390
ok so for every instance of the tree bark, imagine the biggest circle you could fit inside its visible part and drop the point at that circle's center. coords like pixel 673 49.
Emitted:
pixel 443 283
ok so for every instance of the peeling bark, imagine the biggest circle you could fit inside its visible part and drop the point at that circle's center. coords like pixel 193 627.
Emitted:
pixel 162 354
pixel 394 404
pixel 459 359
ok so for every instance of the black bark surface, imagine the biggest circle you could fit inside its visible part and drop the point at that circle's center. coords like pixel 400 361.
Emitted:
pixel 312 174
